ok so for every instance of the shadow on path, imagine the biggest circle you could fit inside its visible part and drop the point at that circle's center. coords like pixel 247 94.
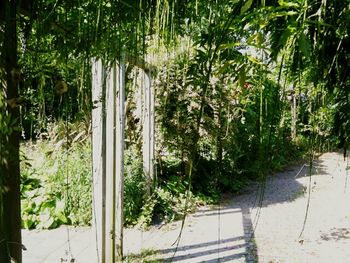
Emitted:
pixel 207 252
pixel 222 234
pixel 280 188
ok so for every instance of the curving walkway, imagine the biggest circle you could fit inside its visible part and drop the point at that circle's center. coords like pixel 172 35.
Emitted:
pixel 224 234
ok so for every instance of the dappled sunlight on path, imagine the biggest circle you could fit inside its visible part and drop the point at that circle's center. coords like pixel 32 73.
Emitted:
pixel 224 233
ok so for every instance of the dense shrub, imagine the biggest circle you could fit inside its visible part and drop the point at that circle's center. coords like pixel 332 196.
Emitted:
pixel 134 186
pixel 56 185
pixel 56 188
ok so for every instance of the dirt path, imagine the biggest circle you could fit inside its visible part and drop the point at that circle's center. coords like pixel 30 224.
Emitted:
pixel 224 234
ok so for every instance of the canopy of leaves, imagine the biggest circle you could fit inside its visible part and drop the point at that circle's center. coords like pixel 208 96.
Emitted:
pixel 226 75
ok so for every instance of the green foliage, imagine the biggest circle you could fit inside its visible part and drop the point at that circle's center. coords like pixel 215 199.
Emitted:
pixel 56 186
pixel 146 256
pixel 134 186
pixel 45 100
pixel 146 216
pixel 222 102
pixel 167 203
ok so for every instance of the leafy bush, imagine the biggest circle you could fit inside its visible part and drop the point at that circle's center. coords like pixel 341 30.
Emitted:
pixel 167 203
pixel 56 187
pixel 134 186
pixel 146 255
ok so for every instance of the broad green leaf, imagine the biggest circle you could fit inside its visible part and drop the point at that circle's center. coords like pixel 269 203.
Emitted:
pixel 288 4
pixel 242 76
pixel 254 60
pixel 259 39
pixel 287 33
pixel 246 6
pixel 225 66
pixel 262 23
pixel 251 39
pixel 304 45
pixel 283 14
pixel 27 223
pixel 62 217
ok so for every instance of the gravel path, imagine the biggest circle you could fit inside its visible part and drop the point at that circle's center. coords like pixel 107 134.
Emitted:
pixel 224 234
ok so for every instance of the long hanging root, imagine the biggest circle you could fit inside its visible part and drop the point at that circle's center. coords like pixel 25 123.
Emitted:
pixel 177 241
pixel 259 198
pixel 262 187
pixel 309 195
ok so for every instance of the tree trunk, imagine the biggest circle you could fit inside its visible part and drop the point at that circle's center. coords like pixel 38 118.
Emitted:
pixel 10 228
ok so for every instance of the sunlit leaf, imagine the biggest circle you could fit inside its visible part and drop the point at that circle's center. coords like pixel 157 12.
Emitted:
pixel 304 45
pixel 283 14
pixel 246 6
pixel 242 76
pixel 288 3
